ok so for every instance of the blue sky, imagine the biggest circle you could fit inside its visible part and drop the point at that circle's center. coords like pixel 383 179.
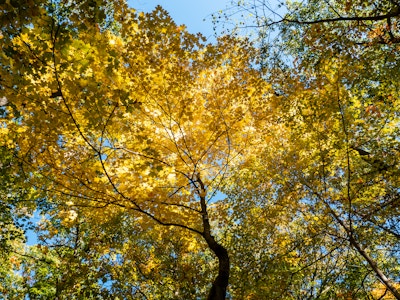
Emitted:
pixel 196 15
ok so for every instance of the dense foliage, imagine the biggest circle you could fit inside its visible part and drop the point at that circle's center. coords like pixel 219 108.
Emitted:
pixel 151 165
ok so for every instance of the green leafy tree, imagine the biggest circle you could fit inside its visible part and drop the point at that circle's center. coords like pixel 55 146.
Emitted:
pixel 333 67
pixel 16 209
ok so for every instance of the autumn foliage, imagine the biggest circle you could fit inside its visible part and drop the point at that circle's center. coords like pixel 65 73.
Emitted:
pixel 157 166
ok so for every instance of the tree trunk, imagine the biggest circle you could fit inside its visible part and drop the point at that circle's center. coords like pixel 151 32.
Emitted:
pixel 218 289
pixel 374 266
pixel 220 284
pixel 382 277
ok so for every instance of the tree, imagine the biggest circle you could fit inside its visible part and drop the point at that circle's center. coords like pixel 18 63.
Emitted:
pixel 334 67
pixel 14 210
pixel 125 113
pixel 115 259
pixel 335 25
pixel 124 127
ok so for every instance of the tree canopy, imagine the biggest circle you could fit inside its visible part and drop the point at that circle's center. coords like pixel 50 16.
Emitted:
pixel 157 166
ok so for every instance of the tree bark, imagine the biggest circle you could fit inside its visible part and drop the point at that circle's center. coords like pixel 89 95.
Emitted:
pixel 220 284
pixel 374 266
pixel 382 277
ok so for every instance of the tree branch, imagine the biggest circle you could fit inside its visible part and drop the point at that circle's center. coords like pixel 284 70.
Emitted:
pixel 394 13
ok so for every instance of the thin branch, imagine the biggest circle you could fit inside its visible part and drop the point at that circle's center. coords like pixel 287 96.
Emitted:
pixel 317 260
pixel 394 13
pixel 344 125
pixel 162 222
pixel 180 205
